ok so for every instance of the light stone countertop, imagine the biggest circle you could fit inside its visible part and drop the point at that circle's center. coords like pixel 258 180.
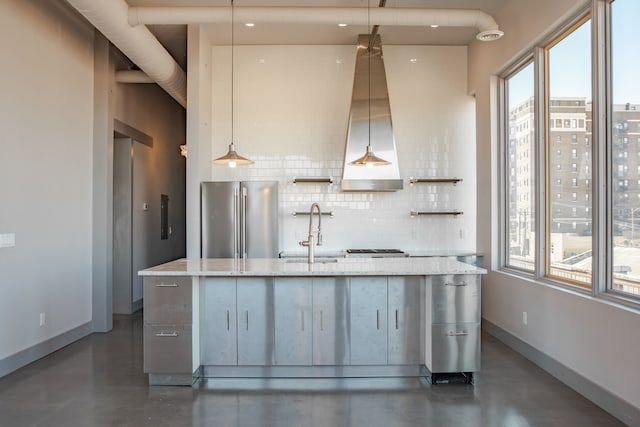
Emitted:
pixel 298 267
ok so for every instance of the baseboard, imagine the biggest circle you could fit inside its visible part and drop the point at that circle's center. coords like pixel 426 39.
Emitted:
pixel 31 354
pixel 611 403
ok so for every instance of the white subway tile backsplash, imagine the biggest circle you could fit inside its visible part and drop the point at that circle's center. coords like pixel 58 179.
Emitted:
pixel 435 137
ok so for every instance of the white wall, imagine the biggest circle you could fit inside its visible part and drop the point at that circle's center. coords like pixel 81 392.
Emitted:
pixel 291 107
pixel 593 338
pixel 46 117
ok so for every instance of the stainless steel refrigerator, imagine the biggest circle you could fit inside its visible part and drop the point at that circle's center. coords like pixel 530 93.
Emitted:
pixel 239 219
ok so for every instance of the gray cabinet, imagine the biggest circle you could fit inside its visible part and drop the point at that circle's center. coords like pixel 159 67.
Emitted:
pixel 167 336
pixel 255 303
pixel 453 339
pixel 293 324
pixel 456 347
pixel 405 320
pixel 219 340
pixel 368 320
pixel 330 321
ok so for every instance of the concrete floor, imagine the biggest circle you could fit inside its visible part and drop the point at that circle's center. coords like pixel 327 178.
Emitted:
pixel 98 381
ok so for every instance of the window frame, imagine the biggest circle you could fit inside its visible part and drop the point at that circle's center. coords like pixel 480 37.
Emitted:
pixel 598 143
pixel 503 120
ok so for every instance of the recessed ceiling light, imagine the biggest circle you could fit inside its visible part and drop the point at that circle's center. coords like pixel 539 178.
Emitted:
pixel 413 60
pixel 249 24
pixel 434 25
pixel 342 25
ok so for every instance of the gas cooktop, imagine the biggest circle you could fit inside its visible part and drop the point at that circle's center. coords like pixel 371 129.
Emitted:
pixel 376 253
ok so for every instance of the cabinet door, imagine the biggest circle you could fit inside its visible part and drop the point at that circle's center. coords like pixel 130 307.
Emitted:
pixel 368 325
pixel 406 320
pixel 456 347
pixel 456 298
pixel 330 321
pixel 255 321
pixel 167 300
pixel 218 314
pixel 167 349
pixel 293 299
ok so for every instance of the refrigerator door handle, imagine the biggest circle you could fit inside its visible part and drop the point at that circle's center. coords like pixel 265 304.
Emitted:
pixel 243 232
pixel 235 223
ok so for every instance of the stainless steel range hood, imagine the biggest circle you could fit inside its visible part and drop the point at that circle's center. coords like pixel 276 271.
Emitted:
pixel 370 123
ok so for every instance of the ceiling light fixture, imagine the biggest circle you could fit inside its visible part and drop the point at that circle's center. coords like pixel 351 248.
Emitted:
pixel 370 159
pixel 249 24
pixel 342 25
pixel 232 158
pixel 434 25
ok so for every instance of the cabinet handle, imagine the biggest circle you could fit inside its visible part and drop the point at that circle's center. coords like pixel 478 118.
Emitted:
pixel 456 284
pixel 321 321
pixel 457 333
pixel 378 319
pixel 246 316
pixel 302 319
pixel 396 318
pixel 228 320
pixel 166 335
pixel 163 285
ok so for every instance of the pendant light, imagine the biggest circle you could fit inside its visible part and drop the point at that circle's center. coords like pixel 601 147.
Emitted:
pixel 232 158
pixel 370 159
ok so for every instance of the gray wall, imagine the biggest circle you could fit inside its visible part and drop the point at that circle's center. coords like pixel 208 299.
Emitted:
pixel 57 108
pixel 588 337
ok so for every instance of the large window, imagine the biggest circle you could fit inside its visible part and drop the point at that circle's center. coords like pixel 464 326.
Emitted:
pixel 569 243
pixel 520 183
pixel 558 164
pixel 625 126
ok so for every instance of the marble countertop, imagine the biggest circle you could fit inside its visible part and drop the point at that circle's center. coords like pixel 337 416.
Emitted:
pixel 299 267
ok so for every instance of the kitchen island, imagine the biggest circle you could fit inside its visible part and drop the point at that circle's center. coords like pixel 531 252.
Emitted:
pixel 363 317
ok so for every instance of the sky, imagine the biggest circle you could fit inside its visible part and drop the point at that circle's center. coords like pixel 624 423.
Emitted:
pixel 570 63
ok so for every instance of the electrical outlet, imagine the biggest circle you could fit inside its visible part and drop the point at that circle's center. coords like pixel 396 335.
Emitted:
pixel 42 319
pixel 524 317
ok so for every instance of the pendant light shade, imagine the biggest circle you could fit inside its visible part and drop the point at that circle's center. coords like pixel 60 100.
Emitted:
pixel 232 159
pixel 369 159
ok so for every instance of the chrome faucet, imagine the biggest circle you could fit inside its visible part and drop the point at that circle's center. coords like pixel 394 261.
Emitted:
pixel 310 239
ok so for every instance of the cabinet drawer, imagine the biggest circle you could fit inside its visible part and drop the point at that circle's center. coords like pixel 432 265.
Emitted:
pixel 455 347
pixel 167 300
pixel 167 349
pixel 455 298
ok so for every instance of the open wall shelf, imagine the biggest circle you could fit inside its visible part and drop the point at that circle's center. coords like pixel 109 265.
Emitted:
pixel 434 213
pixel 434 180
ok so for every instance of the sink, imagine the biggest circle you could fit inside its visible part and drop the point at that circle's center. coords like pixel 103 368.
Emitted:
pixel 317 260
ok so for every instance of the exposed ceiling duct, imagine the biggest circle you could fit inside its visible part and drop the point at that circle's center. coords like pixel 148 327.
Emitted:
pixel 483 22
pixel 137 43
pixel 123 26
pixel 486 25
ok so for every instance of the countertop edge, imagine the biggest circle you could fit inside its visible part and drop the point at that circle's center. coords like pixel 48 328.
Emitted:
pixel 223 267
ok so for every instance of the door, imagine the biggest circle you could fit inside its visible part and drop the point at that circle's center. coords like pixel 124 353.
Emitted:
pixel 220 339
pixel 259 219
pixel 220 219
pixel 122 225
pixel 368 325
pixel 293 326
pixel 406 320
pixel 255 321
pixel 330 321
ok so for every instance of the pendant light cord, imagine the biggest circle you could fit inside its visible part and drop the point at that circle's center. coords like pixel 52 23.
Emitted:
pixel 232 141
pixel 369 52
